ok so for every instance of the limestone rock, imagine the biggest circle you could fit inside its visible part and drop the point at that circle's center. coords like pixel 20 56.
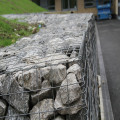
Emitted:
pixel 3 108
pixel 45 107
pixel 14 93
pixel 76 70
pixel 45 72
pixel 18 98
pixel 7 54
pixel 2 67
pixel 45 92
pixel 70 89
pixel 70 109
pixel 49 59
pixel 59 118
pixel 30 79
pixel 41 22
pixel 73 61
pixel 73 54
pixel 5 83
pixel 57 58
pixel 57 74
pixel 68 95
pixel 14 115
pixel 78 116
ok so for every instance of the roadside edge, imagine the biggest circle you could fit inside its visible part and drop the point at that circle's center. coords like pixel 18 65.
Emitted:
pixel 106 108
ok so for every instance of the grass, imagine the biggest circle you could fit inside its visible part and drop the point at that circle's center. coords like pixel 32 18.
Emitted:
pixel 19 6
pixel 11 30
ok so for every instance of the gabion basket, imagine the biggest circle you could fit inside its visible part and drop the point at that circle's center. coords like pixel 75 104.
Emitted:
pixel 61 85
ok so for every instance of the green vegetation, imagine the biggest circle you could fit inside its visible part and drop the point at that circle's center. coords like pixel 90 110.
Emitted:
pixel 19 6
pixel 11 30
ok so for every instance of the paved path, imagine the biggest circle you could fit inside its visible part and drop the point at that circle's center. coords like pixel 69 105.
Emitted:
pixel 109 33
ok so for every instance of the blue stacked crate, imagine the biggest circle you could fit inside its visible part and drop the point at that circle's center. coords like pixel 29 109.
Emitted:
pixel 104 11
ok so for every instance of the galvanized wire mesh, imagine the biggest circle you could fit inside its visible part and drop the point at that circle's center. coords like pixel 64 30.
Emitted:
pixel 18 94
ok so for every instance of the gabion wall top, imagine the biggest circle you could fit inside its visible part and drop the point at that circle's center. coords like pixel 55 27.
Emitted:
pixel 61 33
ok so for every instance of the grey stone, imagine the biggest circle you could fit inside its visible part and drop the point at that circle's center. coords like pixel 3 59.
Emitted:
pixel 2 67
pixel 6 54
pixel 59 118
pixel 76 69
pixel 49 59
pixel 41 22
pixel 12 114
pixel 5 83
pixel 30 79
pixel 17 97
pixel 78 116
pixel 73 54
pixel 57 74
pixel 45 92
pixel 14 93
pixel 45 72
pixel 68 95
pixel 67 110
pixel 55 58
pixel 3 107
pixel 70 89
pixel 73 61
pixel 45 108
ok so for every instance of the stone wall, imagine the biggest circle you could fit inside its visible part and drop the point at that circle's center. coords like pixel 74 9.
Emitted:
pixel 45 76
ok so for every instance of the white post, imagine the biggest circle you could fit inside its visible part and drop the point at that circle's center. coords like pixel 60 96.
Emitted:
pixel 116 7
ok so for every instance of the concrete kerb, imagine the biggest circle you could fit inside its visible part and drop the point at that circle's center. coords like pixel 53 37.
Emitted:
pixel 105 103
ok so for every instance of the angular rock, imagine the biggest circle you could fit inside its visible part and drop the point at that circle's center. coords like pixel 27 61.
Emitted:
pixel 45 108
pixel 56 58
pixel 14 93
pixel 5 83
pixel 68 96
pixel 3 108
pixel 45 92
pixel 30 79
pixel 73 61
pixel 19 101
pixel 2 67
pixel 45 72
pixel 14 115
pixel 18 98
pixel 70 109
pixel 78 116
pixel 73 54
pixel 32 56
pixel 7 54
pixel 59 118
pixel 76 70
pixel 49 59
pixel 70 89
pixel 57 74
pixel 42 23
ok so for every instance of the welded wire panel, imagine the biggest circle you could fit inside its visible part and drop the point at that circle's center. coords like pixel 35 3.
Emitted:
pixel 53 79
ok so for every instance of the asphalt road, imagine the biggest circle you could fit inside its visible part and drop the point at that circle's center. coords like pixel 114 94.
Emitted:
pixel 109 34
